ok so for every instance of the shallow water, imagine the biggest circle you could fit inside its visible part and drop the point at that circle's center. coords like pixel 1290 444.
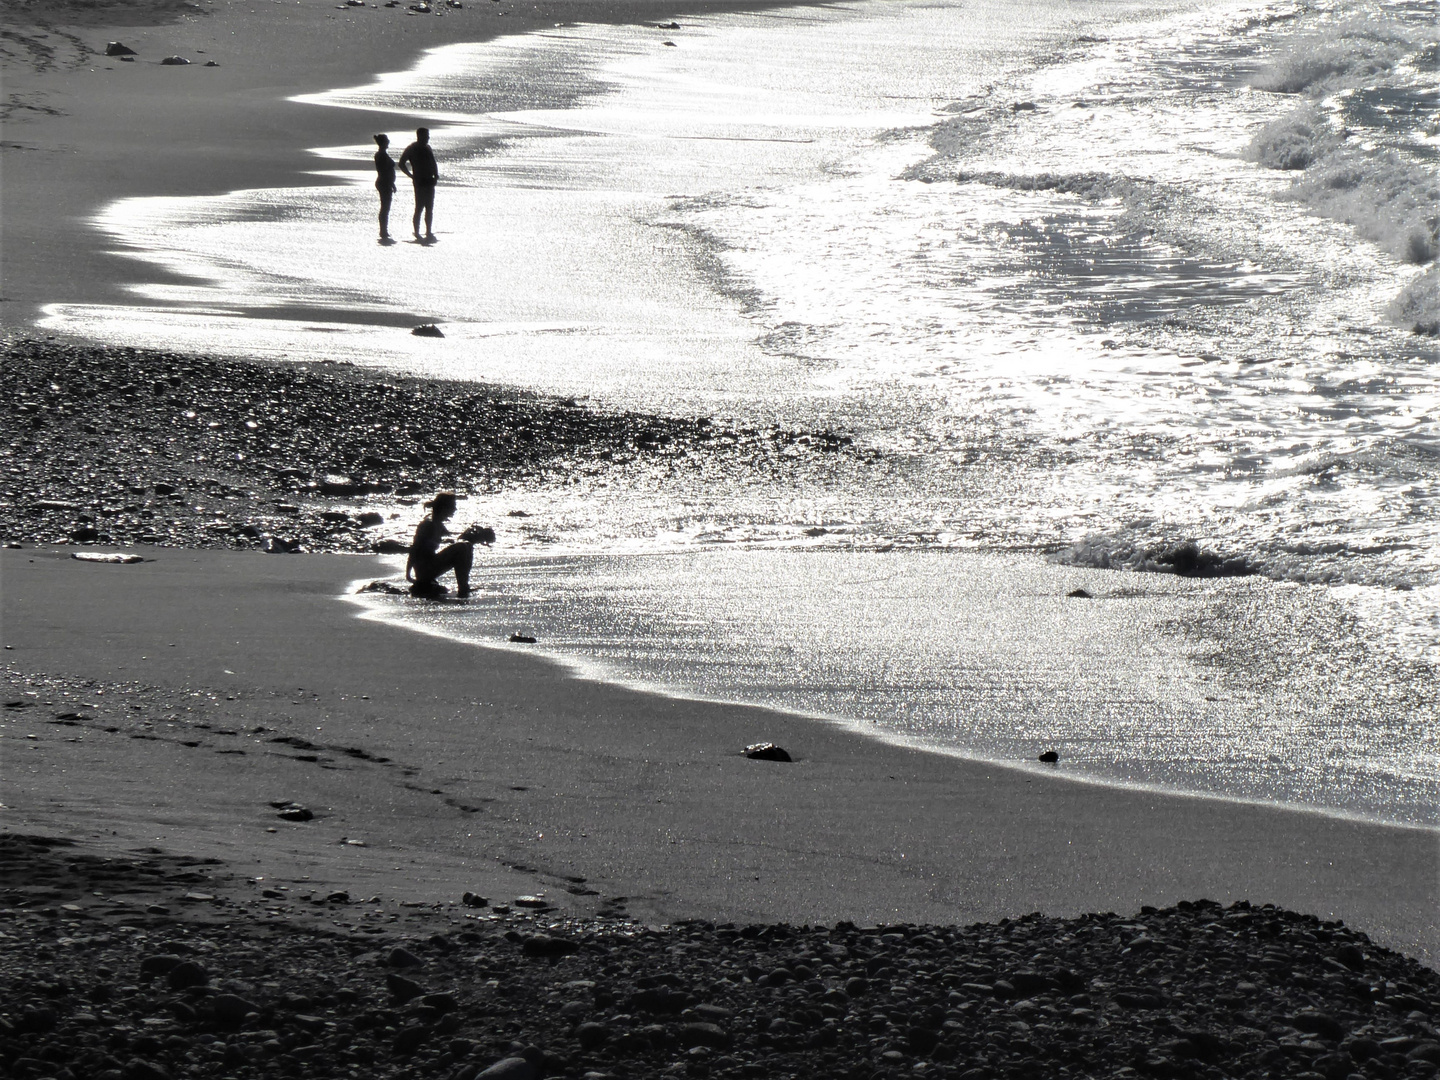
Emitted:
pixel 1043 258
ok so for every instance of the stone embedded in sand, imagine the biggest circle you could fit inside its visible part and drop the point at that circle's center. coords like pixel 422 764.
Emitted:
pixel 370 518
pixel 1079 594
pixel 530 902
pixel 174 61
pixel 427 329
pixel 296 812
pixel 766 751
pixel 116 48
pixel 471 899
pixel 1050 757
pixel 392 547
pixel 522 639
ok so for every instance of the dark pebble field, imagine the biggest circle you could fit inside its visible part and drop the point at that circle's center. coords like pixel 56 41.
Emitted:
pixel 144 967
pixel 111 445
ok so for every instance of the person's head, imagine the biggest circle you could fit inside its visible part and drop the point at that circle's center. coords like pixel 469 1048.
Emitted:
pixel 443 505
pixel 422 135
pixel 382 141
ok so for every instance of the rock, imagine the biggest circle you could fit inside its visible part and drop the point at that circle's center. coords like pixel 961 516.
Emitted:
pixel 401 988
pixel 1351 956
pixel 511 1068
pixel 857 986
pixel 590 1035
pixel 531 902
pixel 766 751
pixel 667 26
pixel 211 63
pixel 441 1002
pixel 295 812
pixel 703 1034
pixel 543 945
pixel 370 518
pixel 117 558
pixel 392 547
pixel 474 900
pixel 174 61
pixel 1079 594
pixel 277 545
pixel 522 639
pixel 411 1038
pixel 231 1008
pixel 185 975
pixel 1050 757
pixel 161 964
pixel 400 957
pixel 1023 106
pixel 339 485
pixel 427 330
pixel 84 534
pixel 574 1010
pixel 116 48
pixel 140 1069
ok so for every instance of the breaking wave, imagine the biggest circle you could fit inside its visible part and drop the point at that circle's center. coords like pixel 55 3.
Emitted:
pixel 1184 558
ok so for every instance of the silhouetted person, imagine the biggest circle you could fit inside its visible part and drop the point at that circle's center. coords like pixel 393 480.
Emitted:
pixel 384 181
pixel 428 560
pixel 418 163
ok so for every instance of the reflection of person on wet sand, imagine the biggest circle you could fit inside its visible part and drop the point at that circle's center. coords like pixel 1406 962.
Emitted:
pixel 418 163
pixel 428 560
pixel 384 182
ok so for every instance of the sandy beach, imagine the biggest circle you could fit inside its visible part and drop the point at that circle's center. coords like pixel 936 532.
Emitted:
pixel 498 759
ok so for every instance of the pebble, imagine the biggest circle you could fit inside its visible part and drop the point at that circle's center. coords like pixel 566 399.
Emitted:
pixel 153 469
pixel 766 751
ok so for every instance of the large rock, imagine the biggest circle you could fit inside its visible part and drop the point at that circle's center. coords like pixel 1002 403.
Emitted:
pixel 511 1068
pixel 116 48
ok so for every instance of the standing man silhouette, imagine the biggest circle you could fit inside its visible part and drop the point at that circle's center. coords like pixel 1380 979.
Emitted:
pixel 384 182
pixel 418 163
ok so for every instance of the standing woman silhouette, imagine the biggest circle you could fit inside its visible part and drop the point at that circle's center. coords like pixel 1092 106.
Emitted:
pixel 384 182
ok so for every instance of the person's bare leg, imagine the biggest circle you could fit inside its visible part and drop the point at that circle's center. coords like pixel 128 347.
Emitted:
pixel 464 556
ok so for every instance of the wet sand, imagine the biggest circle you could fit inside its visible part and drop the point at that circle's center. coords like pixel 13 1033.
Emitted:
pixel 83 129
pixel 497 760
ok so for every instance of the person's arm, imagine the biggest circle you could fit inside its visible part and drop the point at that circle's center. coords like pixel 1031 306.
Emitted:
pixel 405 163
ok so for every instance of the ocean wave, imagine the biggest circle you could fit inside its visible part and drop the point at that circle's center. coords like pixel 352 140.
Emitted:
pixel 1388 200
pixel 1354 51
pixel 1294 141
pixel 1184 558
pixel 1418 305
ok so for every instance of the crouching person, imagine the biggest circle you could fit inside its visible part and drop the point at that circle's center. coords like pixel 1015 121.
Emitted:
pixel 429 561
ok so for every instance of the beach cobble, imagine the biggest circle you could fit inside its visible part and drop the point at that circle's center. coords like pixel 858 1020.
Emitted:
pixel 205 985
pixel 124 446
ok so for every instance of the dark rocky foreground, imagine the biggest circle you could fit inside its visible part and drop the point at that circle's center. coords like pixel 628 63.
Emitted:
pixel 145 966
pixel 124 446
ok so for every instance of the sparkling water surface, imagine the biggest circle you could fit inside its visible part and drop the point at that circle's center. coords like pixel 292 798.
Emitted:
pixel 1040 256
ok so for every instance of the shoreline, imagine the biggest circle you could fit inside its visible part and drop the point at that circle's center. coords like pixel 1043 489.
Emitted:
pixel 645 797
pixel 71 104
pixel 600 671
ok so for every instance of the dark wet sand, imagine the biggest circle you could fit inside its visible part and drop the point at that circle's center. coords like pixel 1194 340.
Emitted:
pixel 499 760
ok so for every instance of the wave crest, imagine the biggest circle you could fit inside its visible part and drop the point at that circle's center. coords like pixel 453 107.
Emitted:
pixel 1184 558
pixel 1356 50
